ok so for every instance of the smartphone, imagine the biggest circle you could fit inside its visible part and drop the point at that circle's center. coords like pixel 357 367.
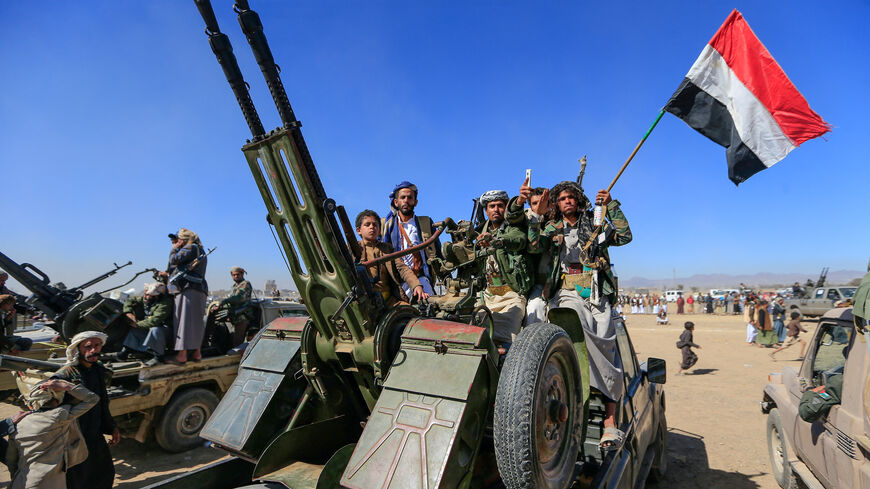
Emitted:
pixel 529 177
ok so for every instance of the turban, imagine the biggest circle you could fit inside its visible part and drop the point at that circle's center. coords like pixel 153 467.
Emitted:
pixel 237 269
pixel 492 196
pixel 185 234
pixel 37 397
pixel 155 288
pixel 72 351
pixel 400 186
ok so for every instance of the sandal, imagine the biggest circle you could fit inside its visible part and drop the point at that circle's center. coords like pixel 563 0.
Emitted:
pixel 611 439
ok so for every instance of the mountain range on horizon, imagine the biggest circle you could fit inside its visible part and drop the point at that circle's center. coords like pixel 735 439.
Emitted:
pixel 731 281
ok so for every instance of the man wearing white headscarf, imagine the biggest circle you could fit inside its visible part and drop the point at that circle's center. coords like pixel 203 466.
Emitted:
pixel 507 267
pixel 48 443
pixel 83 367
pixel 151 317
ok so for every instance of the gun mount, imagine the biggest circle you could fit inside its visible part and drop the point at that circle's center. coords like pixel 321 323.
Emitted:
pixel 357 395
pixel 69 308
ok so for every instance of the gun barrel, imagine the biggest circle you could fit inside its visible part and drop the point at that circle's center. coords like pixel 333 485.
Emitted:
pixel 46 297
pixel 10 362
pixel 223 50
pixel 103 276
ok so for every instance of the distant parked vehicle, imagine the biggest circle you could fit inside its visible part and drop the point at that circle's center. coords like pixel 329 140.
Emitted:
pixel 671 295
pixel 721 293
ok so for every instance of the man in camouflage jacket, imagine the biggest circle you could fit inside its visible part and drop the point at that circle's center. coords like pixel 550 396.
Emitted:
pixel 580 278
pixel 238 304
pixel 151 317
pixel 509 273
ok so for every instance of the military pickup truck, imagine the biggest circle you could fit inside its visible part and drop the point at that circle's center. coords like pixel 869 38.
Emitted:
pixel 819 300
pixel 171 401
pixel 834 451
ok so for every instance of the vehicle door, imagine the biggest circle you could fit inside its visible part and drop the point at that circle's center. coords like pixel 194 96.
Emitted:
pixel 816 442
pixel 816 303
pixel 636 407
pixel 831 298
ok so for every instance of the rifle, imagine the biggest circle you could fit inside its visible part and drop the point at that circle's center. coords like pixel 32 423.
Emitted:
pixel 183 271
pixel 582 171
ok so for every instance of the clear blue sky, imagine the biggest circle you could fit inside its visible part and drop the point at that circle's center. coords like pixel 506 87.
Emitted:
pixel 117 126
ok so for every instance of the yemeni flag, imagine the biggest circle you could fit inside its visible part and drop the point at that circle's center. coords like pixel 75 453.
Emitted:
pixel 738 96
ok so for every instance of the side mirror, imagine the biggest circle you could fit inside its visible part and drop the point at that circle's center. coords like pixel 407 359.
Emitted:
pixel 656 372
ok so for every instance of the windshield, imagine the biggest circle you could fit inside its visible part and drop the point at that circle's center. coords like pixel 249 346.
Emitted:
pixel 848 292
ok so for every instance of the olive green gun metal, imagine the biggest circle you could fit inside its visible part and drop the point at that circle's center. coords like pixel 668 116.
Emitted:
pixel 358 395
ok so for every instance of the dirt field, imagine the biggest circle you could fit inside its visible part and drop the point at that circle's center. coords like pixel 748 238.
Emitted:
pixel 716 439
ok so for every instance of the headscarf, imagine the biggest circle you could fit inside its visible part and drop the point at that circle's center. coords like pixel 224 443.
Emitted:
pixel 72 351
pixel 155 288
pixel 37 398
pixel 399 186
pixel 238 269
pixel 492 196
pixel 185 234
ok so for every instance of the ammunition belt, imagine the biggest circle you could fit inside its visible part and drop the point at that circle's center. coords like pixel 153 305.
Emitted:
pixel 577 281
pixel 498 289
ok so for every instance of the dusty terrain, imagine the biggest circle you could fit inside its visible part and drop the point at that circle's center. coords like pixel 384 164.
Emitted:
pixel 716 438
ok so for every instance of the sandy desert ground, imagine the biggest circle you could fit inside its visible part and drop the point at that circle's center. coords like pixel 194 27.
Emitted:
pixel 716 437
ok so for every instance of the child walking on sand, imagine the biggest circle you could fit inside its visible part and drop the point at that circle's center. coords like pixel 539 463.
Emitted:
pixel 686 344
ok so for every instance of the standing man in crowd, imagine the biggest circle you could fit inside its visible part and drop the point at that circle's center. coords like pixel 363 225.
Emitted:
pixel 238 304
pixel 387 277
pixel 47 444
pixel 187 265
pixel 403 229
pixel 507 268
pixel 680 302
pixel 151 317
pixel 581 279
pixel 83 368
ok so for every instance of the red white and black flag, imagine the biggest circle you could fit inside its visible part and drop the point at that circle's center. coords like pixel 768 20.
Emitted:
pixel 738 96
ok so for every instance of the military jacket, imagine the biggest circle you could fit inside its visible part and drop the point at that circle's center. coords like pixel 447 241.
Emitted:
pixel 159 313
pixel 816 403
pixel 511 255
pixel 549 241
pixel 239 300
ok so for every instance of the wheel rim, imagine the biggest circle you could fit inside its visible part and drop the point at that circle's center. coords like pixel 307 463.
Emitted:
pixel 554 418
pixel 192 419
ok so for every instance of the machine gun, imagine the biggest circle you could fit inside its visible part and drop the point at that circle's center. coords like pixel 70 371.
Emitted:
pixel 313 404
pixel 68 308
pixel 822 277
pixel 183 272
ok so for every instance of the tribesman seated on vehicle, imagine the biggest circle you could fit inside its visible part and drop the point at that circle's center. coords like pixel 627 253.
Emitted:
pixel 9 342
pixel 403 229
pixel 237 305
pixel 507 268
pixel 538 210
pixel 151 318
pixel 388 276
pixel 580 278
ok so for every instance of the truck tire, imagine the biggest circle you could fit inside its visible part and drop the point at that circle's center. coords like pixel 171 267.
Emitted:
pixel 539 410
pixel 777 448
pixel 183 418
pixel 660 445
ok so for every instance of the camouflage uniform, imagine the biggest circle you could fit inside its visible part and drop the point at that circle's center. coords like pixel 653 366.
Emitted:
pixel 153 323
pixel 508 277
pixel 589 291
pixel 238 303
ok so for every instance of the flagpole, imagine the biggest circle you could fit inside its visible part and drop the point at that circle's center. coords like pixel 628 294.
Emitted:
pixel 636 148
